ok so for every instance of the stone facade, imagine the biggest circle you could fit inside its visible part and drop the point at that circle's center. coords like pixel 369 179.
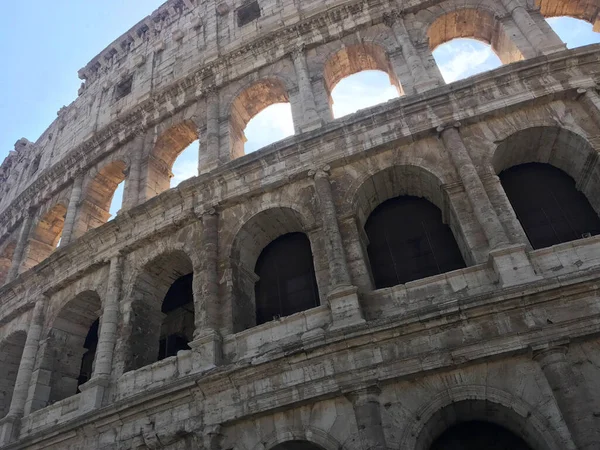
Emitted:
pixel 510 339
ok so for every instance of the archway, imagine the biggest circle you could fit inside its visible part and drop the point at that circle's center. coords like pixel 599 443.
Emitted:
pixel 297 445
pixel 409 241
pixel 71 345
pixel 548 205
pixel 470 422
pixel 363 67
pixel 575 32
pixel 11 350
pixel 168 147
pixel 96 206
pixel 251 240
pixel 161 320
pixel 266 93
pixel 475 435
pixel 579 9
pixel 459 54
pixel 286 281
pixel 45 237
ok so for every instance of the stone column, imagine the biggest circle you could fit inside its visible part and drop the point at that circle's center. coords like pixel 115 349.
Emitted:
pixel 21 245
pixel 530 28
pixel 74 202
pixel 310 117
pixel 590 100
pixel 132 193
pixel 482 207
pixel 342 295
pixel 9 430
pixel 209 156
pixel 207 339
pixel 510 262
pixel 421 79
pixel 571 395
pixel 92 392
pixel 367 411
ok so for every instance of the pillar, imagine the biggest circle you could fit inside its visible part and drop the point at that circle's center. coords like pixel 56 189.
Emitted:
pixel 590 100
pixel 510 262
pixel 571 395
pixel 209 156
pixel 132 193
pixel 21 244
pixel 92 392
pixel 74 202
pixel 367 411
pixel 207 339
pixel 342 295
pixel 10 424
pixel 310 117
pixel 530 28
pixel 421 78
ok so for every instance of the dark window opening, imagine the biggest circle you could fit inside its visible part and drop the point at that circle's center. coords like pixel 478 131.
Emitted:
pixel 124 88
pixel 178 325
pixel 287 282
pixel 408 241
pixel 87 361
pixel 475 435
pixel 548 204
pixel 248 13
pixel 35 165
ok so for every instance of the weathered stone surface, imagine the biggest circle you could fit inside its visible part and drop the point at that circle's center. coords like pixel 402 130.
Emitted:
pixel 512 338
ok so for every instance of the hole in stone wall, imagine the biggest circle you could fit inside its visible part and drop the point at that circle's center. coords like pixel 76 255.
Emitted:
pixel 123 88
pixel 186 164
pixel 248 13
pixel 362 90
pixel 178 324
pixel 574 32
pixel 270 125
pixel 462 58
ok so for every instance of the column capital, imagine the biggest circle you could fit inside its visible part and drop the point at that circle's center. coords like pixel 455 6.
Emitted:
pixel 320 172
pixel 448 126
pixel 547 353
pixel 362 394
pixel 298 50
pixel 392 17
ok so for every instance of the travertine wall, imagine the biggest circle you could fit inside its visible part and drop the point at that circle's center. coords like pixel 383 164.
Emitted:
pixel 511 338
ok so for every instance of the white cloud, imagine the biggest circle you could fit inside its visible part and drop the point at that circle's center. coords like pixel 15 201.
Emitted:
pixel 462 58
pixel 362 90
pixel 186 164
pixel 270 125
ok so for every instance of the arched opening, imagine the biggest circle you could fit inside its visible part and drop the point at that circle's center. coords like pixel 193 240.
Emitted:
pixel 186 164
pixel 161 321
pixel 71 347
pixel 475 435
pixel 575 32
pixel 409 241
pixel 6 257
pixel 168 147
pixel 253 100
pixel 297 445
pixel 579 9
pixel 370 84
pixel 548 204
pixel 250 245
pixel 470 41
pixel 11 350
pixel 98 206
pixel 45 237
pixel 286 278
pixel 117 201
pixel 475 424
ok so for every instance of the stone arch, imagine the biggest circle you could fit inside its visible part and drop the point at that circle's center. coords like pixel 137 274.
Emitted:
pixel 165 151
pixel 144 320
pixel 250 101
pixel 477 23
pixel 578 9
pixel 98 194
pixel 44 237
pixel 468 403
pixel 11 350
pixel 6 256
pixel 355 58
pixel 250 239
pixel 562 148
pixel 64 349
pixel 315 436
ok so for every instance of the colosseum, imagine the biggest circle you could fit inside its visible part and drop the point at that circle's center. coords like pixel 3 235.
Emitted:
pixel 422 274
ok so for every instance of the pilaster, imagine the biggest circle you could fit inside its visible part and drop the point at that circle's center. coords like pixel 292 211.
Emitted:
pixel 21 245
pixel 367 410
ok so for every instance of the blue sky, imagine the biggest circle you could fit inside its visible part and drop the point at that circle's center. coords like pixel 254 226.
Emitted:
pixel 45 42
